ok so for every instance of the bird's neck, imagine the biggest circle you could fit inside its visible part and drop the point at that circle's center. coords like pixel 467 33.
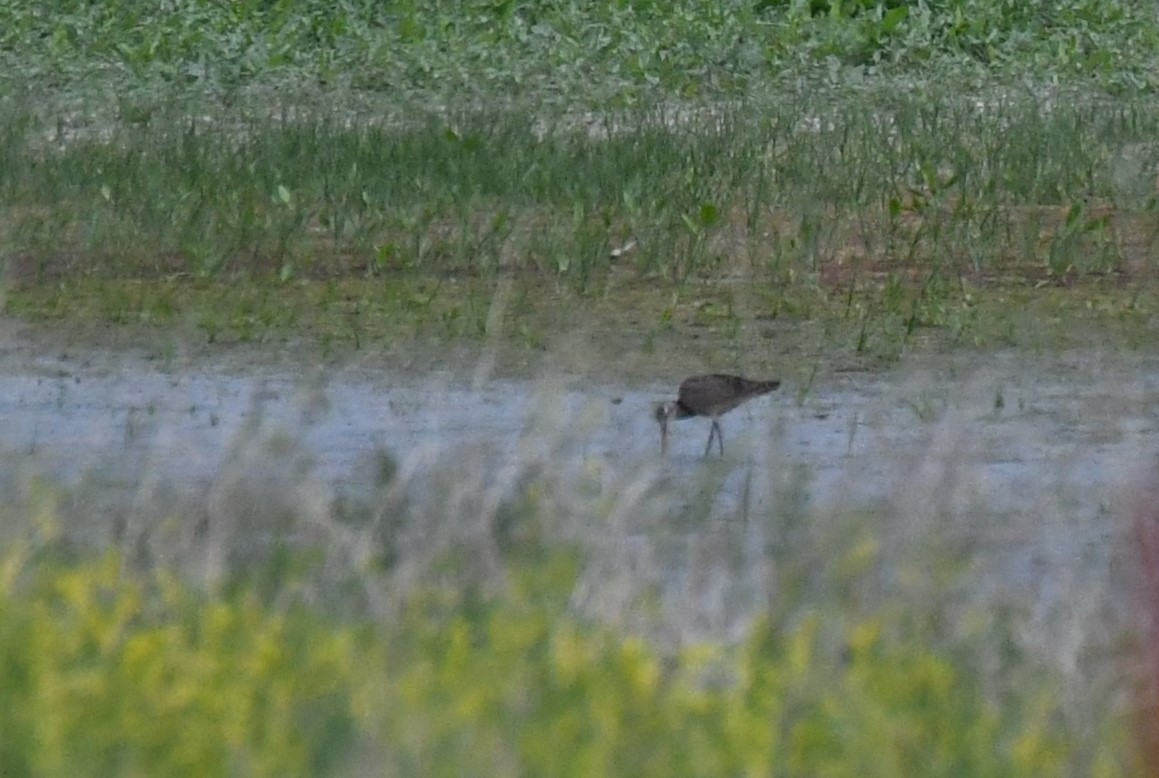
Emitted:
pixel 682 411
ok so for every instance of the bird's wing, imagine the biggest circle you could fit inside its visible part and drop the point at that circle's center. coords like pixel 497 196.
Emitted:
pixel 704 393
pixel 717 393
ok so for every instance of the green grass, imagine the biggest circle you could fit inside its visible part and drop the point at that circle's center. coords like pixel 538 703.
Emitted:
pixel 899 163
pixel 793 330
pixel 911 206
pixel 925 181
pixel 611 52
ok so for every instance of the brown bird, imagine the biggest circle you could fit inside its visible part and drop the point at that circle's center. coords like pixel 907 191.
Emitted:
pixel 709 395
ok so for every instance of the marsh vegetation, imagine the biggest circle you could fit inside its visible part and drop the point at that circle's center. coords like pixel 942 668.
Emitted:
pixel 877 202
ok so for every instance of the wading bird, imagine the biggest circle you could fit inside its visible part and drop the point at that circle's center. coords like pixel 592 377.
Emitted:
pixel 709 395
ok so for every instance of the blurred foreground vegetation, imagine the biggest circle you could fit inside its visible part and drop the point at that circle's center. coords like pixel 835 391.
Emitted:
pixel 537 614
pixel 108 672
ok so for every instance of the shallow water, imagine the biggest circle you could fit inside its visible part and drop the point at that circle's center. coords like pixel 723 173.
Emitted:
pixel 1033 455
pixel 1073 422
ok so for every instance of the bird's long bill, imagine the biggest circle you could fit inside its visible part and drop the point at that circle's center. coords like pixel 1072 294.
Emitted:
pixel 663 435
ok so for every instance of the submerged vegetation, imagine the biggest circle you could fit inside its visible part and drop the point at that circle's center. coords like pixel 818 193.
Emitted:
pixel 811 184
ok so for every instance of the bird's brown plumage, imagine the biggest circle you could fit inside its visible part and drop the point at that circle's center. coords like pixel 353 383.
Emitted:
pixel 710 395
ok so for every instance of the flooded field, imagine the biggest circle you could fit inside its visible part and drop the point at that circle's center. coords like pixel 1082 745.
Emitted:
pixel 1032 459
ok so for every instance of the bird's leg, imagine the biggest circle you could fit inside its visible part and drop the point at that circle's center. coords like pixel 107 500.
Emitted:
pixel 715 431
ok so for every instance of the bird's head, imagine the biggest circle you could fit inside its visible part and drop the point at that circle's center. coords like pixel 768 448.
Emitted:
pixel 663 412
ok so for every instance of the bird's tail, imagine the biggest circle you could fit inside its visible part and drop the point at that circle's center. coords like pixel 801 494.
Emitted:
pixel 764 387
